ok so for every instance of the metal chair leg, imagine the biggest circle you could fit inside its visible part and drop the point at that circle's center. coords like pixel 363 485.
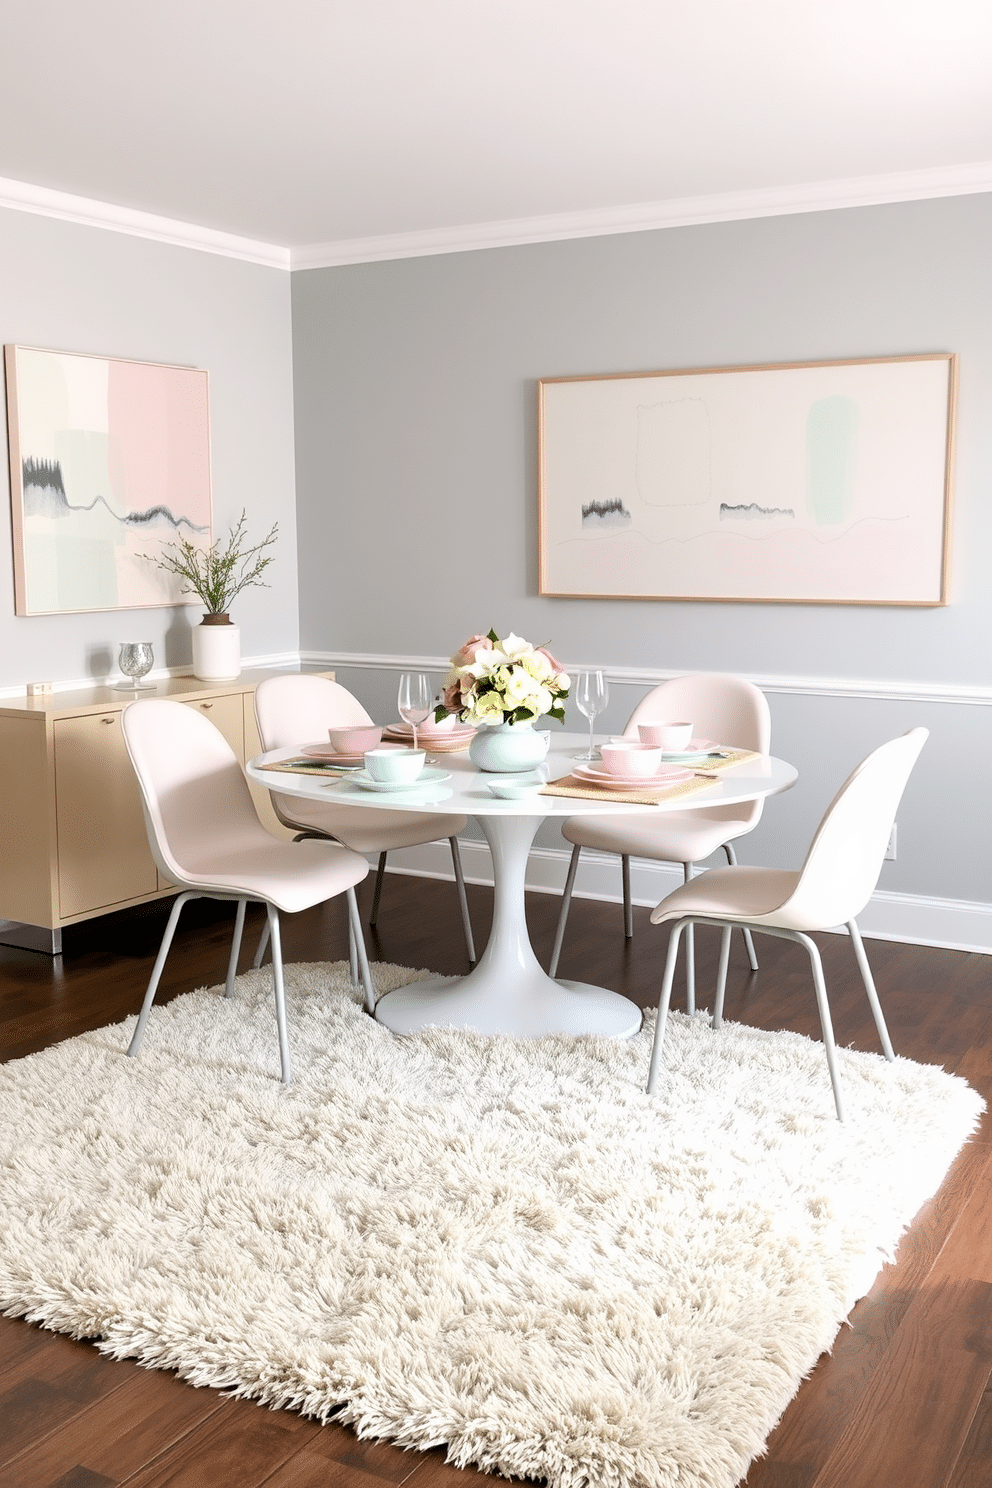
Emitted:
pixel 263 941
pixel 352 954
pixel 456 861
pixel 663 1005
pixel 378 889
pixel 279 988
pixel 358 938
pixel 628 908
pixel 690 953
pixel 566 900
pixel 748 937
pixel 866 977
pixel 721 976
pixel 232 964
pixel 826 1025
pixel 157 970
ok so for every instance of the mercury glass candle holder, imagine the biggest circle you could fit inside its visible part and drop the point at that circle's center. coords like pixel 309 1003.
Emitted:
pixel 135 659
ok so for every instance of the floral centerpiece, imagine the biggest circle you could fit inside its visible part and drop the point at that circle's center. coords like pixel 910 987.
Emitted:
pixel 505 685
pixel 503 681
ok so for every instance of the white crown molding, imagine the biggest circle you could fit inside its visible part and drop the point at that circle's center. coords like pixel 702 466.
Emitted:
pixel 21 196
pixel 689 211
pixel 851 687
pixel 916 919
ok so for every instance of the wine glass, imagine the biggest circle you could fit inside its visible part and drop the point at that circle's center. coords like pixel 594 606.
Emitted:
pixel 591 696
pixel 135 659
pixel 415 699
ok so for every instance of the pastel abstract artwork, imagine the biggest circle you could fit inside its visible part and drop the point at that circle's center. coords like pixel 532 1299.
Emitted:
pixel 819 482
pixel 108 459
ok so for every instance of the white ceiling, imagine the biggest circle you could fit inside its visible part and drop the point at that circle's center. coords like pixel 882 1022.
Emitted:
pixel 317 121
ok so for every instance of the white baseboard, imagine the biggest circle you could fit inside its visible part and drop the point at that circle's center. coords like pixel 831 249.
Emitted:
pixel 950 924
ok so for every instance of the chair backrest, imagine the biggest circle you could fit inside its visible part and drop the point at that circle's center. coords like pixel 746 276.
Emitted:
pixel 193 790
pixel 730 710
pixel 298 709
pixel 846 855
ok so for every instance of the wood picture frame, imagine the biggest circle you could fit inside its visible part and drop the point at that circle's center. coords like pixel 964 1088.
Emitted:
pixel 785 483
pixel 109 459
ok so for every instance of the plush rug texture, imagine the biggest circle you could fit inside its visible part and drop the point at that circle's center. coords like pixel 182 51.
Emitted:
pixel 501 1245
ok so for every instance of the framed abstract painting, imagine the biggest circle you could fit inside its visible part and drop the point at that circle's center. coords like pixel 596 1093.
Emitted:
pixel 108 459
pixel 799 483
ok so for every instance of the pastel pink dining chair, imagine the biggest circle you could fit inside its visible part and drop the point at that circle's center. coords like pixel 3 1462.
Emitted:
pixel 832 887
pixel 297 709
pixel 206 838
pixel 728 710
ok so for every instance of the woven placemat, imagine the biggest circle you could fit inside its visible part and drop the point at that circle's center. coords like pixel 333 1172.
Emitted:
pixel 732 757
pixel 308 767
pixel 571 785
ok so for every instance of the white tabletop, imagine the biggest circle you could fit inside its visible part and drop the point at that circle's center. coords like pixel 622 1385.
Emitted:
pixel 466 792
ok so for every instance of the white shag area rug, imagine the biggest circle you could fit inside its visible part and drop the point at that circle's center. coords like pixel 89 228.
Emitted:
pixel 502 1245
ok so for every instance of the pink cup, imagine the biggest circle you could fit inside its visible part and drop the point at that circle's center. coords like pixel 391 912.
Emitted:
pixel 668 736
pixel 631 758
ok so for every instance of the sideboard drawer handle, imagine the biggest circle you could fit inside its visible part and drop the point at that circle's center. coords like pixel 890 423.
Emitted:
pixel 206 705
pixel 108 720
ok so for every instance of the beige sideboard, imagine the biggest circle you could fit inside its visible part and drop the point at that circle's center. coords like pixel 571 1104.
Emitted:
pixel 72 835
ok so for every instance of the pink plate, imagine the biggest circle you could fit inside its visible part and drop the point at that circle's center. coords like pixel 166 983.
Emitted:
pixel 667 775
pixel 329 756
pixel 459 731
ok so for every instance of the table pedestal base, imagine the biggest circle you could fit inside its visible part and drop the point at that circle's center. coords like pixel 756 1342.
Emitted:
pixel 509 991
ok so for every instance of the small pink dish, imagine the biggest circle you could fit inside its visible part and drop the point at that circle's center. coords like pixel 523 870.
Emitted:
pixel 668 736
pixel 630 759
pixel 356 739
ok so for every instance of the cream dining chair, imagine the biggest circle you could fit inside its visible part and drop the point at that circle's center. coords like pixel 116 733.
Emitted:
pixel 832 887
pixel 729 710
pixel 296 709
pixel 205 837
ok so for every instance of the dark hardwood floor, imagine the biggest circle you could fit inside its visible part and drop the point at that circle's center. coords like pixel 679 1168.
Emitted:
pixel 903 1401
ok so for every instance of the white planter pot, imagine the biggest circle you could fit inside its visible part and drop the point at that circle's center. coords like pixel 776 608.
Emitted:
pixel 216 652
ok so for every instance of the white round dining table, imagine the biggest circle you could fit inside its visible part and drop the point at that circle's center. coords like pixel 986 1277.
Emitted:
pixel 508 991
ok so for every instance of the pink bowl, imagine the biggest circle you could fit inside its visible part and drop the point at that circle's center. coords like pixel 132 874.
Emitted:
pixel 631 758
pixel 354 740
pixel 670 736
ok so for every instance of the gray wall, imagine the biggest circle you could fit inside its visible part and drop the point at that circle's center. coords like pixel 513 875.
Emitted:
pixel 417 475
pixel 73 288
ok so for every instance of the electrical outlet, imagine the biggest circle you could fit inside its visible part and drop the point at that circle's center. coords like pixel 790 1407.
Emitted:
pixel 890 851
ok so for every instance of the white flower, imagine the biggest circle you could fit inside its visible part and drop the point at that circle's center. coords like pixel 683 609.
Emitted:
pixel 487 708
pixel 538 665
pixel 520 688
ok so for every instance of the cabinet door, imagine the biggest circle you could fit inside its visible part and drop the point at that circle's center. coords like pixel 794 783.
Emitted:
pixel 226 713
pixel 103 849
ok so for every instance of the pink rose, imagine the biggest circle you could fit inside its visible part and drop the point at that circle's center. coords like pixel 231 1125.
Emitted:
pixel 472 646
pixel 553 660
pixel 452 698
